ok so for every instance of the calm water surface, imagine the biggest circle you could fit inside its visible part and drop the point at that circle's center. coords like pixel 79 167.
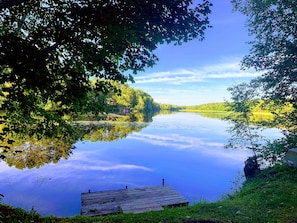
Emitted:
pixel 185 149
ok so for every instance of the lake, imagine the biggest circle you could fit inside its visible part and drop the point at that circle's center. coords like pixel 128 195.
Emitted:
pixel 185 149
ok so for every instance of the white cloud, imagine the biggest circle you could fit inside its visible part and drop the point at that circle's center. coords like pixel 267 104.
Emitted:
pixel 193 86
pixel 174 140
pixel 113 166
pixel 82 161
pixel 228 69
pixel 178 142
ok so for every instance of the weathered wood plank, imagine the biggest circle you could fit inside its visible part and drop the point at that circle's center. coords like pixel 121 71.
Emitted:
pixel 95 210
pixel 135 200
pixel 139 207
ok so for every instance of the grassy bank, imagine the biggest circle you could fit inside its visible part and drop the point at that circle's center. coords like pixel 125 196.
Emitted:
pixel 269 197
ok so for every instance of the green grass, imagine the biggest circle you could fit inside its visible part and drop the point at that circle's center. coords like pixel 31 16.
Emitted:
pixel 269 197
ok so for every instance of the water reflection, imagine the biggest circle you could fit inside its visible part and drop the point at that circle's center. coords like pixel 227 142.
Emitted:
pixel 185 149
pixel 136 117
pixel 262 119
pixel 26 151
pixel 109 131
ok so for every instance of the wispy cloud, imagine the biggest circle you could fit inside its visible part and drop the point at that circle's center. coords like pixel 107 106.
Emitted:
pixel 179 142
pixel 84 162
pixel 204 74
pixel 174 140
pixel 113 166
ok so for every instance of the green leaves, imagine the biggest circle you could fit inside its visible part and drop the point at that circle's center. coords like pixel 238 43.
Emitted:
pixel 273 25
pixel 52 48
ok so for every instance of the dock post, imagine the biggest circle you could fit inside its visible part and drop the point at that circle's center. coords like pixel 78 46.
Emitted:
pixel 163 182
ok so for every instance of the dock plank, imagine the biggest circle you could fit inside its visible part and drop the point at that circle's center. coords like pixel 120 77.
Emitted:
pixel 139 207
pixel 135 200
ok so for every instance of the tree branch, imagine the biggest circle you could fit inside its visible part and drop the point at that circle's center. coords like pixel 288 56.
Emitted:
pixel 10 3
pixel 51 48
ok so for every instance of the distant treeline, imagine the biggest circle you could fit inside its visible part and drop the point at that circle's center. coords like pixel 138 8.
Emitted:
pixel 260 107
pixel 169 107
pixel 217 107
pixel 125 100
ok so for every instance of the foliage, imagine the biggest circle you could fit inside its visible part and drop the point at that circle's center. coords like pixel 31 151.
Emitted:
pixel 261 106
pixel 273 26
pixel 9 214
pixel 106 132
pixel 260 112
pixel 169 107
pixel 246 133
pixel 273 23
pixel 31 150
pixel 217 107
pixel 123 100
pixel 273 189
pixel 243 134
pixel 26 152
pixel 31 153
pixel 134 100
pixel 50 49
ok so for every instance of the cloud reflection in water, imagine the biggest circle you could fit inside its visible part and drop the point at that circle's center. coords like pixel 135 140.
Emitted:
pixel 185 149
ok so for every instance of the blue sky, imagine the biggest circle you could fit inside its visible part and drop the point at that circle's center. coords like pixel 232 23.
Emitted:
pixel 200 72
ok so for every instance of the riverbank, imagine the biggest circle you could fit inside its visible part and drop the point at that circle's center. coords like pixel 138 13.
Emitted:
pixel 269 197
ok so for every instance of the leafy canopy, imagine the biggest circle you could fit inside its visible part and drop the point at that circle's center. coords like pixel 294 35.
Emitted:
pixel 273 24
pixel 50 49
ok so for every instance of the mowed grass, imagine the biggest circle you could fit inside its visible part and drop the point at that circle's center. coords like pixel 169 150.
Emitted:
pixel 269 197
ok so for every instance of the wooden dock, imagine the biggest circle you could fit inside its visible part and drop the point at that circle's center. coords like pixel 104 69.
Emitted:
pixel 135 200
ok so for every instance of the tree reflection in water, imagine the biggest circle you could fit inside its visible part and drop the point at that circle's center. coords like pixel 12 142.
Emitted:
pixel 109 131
pixel 24 151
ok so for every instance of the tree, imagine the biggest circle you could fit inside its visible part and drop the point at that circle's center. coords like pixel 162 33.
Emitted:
pixel 274 48
pixel 273 24
pixel 242 96
pixel 50 48
pixel 126 98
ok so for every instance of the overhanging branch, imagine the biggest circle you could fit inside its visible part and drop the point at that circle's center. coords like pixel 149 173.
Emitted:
pixel 10 3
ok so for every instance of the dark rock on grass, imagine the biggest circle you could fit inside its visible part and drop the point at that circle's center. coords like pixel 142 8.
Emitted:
pixel 251 167
pixel 201 221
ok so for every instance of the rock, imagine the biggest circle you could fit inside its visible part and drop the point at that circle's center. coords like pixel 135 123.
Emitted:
pixel 290 158
pixel 251 167
pixel 201 221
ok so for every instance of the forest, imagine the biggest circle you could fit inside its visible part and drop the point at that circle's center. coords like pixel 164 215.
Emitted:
pixel 122 100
